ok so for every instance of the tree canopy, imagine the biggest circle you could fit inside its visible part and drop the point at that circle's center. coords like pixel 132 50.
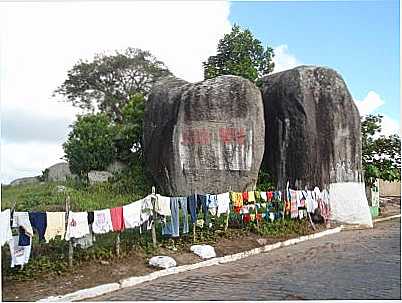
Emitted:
pixel 89 145
pixel 109 81
pixel 381 155
pixel 240 54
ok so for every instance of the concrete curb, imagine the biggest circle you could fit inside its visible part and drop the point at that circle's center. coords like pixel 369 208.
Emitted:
pixel 132 281
pixel 386 218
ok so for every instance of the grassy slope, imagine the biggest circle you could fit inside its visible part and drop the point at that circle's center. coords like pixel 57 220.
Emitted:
pixel 45 197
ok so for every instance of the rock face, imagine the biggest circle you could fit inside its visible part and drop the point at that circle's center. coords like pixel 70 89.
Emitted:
pixel 59 172
pixel 26 180
pixel 312 134
pixel 96 176
pixel 206 137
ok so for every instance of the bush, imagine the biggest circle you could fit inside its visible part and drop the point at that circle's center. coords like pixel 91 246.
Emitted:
pixel 90 144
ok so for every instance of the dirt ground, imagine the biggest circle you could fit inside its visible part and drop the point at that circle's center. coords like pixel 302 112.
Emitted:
pixel 135 264
pixel 390 206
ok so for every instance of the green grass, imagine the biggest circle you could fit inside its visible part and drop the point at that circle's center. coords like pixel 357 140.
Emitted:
pixel 45 197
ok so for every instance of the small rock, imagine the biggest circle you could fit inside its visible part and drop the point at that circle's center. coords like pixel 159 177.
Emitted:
pixel 262 241
pixel 162 262
pixel 104 262
pixel 204 251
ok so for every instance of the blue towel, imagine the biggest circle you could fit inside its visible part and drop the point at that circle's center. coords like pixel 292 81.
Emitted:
pixel 39 222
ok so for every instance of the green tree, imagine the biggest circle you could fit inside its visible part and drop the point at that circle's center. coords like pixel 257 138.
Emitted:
pixel 90 144
pixel 128 139
pixel 381 155
pixel 240 54
pixel 108 82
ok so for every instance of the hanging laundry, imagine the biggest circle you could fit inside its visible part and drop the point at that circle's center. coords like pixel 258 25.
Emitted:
pixel 19 254
pixel 146 209
pixel 116 214
pixel 85 241
pixel 5 229
pixel 237 199
pixel 293 204
pixel 301 213
pixel 264 195
pixel 25 231
pixel 162 205
pixel 251 197
pixel 223 201
pixel 245 197
pixel 257 195
pixel 132 214
pixel 272 216
pixel 174 228
pixel 246 218
pixel 102 221
pixel 270 195
pixel 56 225
pixel 192 206
pixel 39 223
pixel 204 204
pixel 77 225
pixel 90 217
pixel 299 197
pixel 21 219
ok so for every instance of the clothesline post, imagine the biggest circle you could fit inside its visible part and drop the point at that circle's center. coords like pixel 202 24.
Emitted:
pixel 70 243
pixel 154 200
pixel 118 244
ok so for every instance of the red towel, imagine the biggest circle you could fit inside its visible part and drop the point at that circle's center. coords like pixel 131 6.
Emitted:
pixel 117 218
pixel 246 218
pixel 245 196
pixel 270 194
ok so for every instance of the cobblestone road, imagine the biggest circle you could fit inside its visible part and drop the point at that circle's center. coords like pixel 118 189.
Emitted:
pixel 360 264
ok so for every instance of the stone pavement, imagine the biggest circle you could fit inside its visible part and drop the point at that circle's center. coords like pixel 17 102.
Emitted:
pixel 360 264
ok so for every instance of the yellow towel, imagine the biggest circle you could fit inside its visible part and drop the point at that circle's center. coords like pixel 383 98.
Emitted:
pixel 56 225
pixel 251 197
pixel 237 199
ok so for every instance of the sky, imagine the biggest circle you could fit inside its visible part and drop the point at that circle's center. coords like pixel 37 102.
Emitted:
pixel 41 41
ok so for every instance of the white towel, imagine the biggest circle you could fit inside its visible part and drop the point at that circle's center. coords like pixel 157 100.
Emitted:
pixel 263 195
pixel 21 218
pixel 132 214
pixel 162 206
pixel 77 225
pixel 19 254
pixel 223 201
pixel 102 221
pixel 5 229
pixel 56 225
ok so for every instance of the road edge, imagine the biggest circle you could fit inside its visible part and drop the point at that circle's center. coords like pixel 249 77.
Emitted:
pixel 387 218
pixel 132 281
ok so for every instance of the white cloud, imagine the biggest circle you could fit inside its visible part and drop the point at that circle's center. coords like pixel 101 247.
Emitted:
pixel 41 41
pixel 389 126
pixel 283 59
pixel 369 104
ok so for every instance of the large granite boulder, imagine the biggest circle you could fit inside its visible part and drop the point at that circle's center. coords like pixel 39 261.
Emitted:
pixel 312 137
pixel 312 134
pixel 59 172
pixel 206 137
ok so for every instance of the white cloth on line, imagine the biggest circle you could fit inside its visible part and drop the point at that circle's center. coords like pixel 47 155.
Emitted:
pixel 5 229
pixel 162 205
pixel 19 254
pixel 102 221
pixel 21 218
pixel 263 195
pixel 56 225
pixel 146 209
pixel 132 214
pixel 77 225
pixel 223 201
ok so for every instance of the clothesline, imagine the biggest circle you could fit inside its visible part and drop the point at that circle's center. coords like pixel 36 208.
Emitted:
pixel 49 225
